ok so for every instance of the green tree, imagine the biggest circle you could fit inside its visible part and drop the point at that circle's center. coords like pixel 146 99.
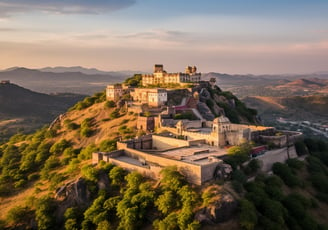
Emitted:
pixel 166 202
pixel 285 173
pixel 117 175
pixel 172 179
pixel 59 147
pixel 90 173
pixel 19 215
pixel 107 146
pixel 86 152
pixel 134 81
pixel 104 225
pixel 170 222
pixel 44 213
pixel 247 215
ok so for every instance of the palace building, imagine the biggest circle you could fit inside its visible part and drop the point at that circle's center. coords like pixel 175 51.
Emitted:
pixel 160 76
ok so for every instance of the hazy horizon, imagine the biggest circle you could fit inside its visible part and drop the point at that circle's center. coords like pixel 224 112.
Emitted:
pixel 235 37
pixel 151 70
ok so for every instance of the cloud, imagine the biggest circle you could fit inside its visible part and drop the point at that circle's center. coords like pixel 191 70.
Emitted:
pixel 157 38
pixel 5 29
pixel 9 7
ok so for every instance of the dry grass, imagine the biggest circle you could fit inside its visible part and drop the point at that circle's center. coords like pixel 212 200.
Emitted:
pixel 18 200
pixel 104 130
pixel 271 101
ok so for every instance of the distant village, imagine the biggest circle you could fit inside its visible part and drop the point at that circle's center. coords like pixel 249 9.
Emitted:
pixel 316 127
pixel 182 135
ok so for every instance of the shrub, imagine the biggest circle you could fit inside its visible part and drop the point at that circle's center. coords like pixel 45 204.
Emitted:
pixel 252 167
pixel 72 126
pixel 60 146
pixel 19 215
pixel 107 145
pixel 110 104
pixel 44 213
pixel 86 153
pixel 239 176
pixel 247 215
pixel 86 132
pixel 115 114
pixel 90 173
pixel 295 164
pixel 301 148
pixel 285 173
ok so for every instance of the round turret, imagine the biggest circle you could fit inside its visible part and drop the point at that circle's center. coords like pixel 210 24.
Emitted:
pixel 220 120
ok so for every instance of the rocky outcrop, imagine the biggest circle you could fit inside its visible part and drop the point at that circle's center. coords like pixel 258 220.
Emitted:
pixel 221 208
pixel 74 193
pixel 205 111
pixel 77 194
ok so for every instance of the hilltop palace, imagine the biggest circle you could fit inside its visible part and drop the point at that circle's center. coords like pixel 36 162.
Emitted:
pixel 195 146
pixel 160 76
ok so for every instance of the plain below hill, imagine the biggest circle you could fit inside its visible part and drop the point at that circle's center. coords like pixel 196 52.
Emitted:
pixel 313 108
pixel 26 110
pixel 272 85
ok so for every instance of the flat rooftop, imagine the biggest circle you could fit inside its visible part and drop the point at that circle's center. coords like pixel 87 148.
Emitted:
pixel 195 155
pixel 200 130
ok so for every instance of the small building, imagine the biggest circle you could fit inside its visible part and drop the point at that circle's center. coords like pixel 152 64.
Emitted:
pixel 114 92
pixel 153 97
pixel 146 123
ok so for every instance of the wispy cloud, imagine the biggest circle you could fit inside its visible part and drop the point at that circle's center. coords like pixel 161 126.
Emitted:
pixel 6 29
pixel 9 7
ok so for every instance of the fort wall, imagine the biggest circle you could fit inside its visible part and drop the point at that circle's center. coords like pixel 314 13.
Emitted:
pixel 191 171
pixel 160 142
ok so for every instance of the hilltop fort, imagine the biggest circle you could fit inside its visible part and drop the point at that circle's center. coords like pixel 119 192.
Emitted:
pixel 188 126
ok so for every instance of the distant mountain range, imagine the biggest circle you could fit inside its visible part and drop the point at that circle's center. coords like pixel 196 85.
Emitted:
pixel 82 80
pixel 23 108
pixel 227 80
pixel 298 108
pixel 62 82
pixel 17 101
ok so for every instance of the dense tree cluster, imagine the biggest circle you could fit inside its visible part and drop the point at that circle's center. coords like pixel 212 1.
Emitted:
pixel 266 205
pixel 134 81
pixel 131 201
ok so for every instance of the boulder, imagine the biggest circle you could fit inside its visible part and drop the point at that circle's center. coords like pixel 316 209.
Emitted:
pixel 74 193
pixel 220 209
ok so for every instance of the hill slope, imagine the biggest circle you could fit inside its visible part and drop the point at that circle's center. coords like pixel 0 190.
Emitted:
pixel 313 108
pixel 23 108
pixel 47 180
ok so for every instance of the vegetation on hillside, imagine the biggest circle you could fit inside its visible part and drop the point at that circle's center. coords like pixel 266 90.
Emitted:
pixel 37 166
pixel 134 81
pixel 234 109
pixel 297 108
pixel 25 111
pixel 293 198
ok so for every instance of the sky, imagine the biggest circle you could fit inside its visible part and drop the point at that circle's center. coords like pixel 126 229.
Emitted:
pixel 226 36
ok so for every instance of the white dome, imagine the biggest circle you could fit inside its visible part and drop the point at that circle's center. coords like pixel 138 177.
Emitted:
pixel 221 119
